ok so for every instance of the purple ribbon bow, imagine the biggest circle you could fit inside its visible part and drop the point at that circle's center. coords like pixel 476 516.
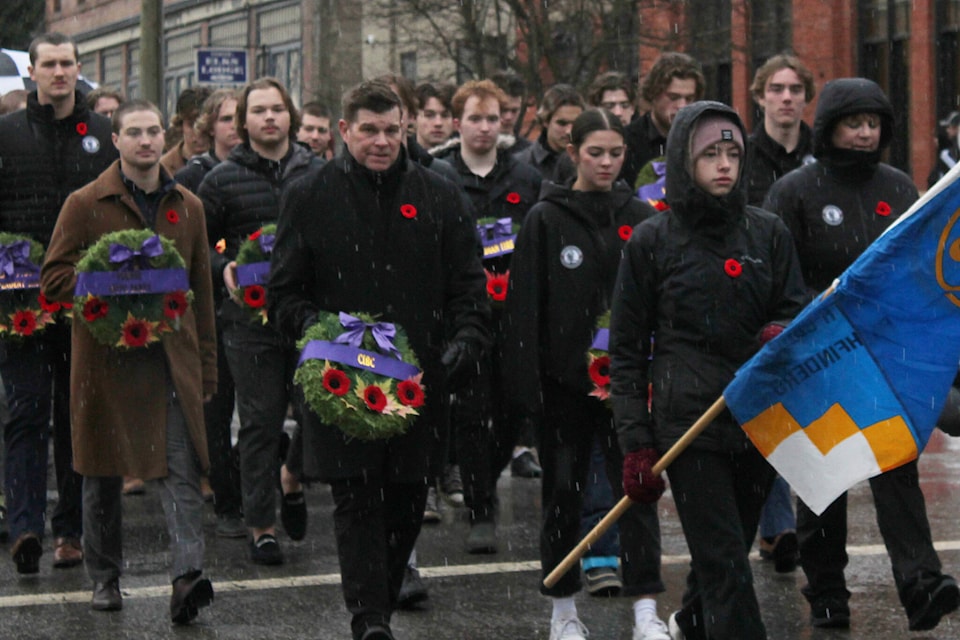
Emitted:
pixel 130 259
pixel 383 333
pixel 266 242
pixel 16 254
pixel 501 228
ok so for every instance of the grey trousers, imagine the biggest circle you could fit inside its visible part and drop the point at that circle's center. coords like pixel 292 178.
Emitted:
pixel 179 495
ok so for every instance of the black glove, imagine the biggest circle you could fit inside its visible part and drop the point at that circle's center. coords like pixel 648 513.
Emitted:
pixel 461 361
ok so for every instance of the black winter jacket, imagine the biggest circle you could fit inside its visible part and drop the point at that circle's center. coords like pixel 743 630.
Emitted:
pixel 703 278
pixel 43 160
pixel 343 245
pixel 644 143
pixel 489 194
pixel 836 206
pixel 769 161
pixel 242 193
pixel 196 170
pixel 548 162
pixel 561 280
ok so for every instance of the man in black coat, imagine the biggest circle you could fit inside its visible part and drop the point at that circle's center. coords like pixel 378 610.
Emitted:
pixel 53 147
pixel 782 87
pixel 674 81
pixel 373 232
pixel 500 188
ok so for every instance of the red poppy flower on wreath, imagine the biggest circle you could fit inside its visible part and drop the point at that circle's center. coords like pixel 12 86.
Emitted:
pixel 375 399
pixel 410 394
pixel 733 268
pixel 174 304
pixel 24 322
pixel 46 305
pixel 600 371
pixel 255 296
pixel 67 305
pixel 513 197
pixel 336 382
pixel 497 285
pixel 625 232
pixel 94 309
pixel 883 209
pixel 173 217
pixel 660 205
pixel 408 211
pixel 82 128
pixel 136 333
pixel 255 234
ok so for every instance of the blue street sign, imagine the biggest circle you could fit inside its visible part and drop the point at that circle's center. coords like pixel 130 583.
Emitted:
pixel 222 66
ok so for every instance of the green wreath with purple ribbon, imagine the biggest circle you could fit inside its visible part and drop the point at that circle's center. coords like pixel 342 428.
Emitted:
pixel 132 287
pixel 360 375
pixel 24 311
pixel 253 271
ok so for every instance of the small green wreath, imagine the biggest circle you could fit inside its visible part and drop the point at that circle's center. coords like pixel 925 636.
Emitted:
pixel 253 270
pixel 598 360
pixel 352 377
pixel 132 287
pixel 24 311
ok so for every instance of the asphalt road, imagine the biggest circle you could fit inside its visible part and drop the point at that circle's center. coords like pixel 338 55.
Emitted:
pixel 471 597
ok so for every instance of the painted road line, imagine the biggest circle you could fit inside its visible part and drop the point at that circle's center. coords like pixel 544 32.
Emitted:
pixel 333 579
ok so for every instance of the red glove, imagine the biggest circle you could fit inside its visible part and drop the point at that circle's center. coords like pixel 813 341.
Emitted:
pixel 638 480
pixel 770 331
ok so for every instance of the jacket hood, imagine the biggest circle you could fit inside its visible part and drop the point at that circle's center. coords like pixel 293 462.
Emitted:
pixel 504 141
pixel 600 207
pixel 843 97
pixel 691 204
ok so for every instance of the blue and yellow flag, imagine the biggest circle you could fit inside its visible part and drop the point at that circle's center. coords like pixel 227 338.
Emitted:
pixel 853 387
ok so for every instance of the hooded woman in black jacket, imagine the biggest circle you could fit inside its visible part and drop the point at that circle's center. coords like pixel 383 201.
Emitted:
pixel 835 207
pixel 561 278
pixel 705 277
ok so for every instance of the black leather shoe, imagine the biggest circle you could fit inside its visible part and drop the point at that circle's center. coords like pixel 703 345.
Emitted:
pixel 525 466
pixel 412 590
pixel 266 550
pixel 377 632
pixel 293 514
pixel 482 538
pixel 191 592
pixel 932 603
pixel 106 596
pixel 26 553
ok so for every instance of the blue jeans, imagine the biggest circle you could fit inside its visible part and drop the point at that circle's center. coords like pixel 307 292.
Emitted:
pixel 36 378
pixel 777 515
pixel 597 501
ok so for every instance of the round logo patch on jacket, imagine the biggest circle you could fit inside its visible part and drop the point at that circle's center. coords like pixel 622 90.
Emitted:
pixel 832 215
pixel 571 256
pixel 90 144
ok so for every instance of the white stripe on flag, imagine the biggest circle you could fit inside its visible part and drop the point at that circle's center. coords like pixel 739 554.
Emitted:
pixel 819 479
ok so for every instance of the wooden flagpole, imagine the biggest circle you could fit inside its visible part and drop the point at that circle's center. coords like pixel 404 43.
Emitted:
pixel 625 502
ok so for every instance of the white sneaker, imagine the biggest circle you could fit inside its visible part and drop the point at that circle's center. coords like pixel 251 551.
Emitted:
pixel 571 629
pixel 652 629
pixel 675 632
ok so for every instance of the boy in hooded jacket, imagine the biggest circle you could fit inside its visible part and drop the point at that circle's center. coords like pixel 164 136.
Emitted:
pixel 707 277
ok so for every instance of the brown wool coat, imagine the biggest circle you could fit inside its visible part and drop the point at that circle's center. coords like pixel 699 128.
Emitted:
pixel 118 402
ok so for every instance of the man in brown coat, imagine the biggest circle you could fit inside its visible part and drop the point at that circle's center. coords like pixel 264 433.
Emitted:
pixel 139 412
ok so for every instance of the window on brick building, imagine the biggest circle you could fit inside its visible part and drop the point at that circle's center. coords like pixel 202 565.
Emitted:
pixel 884 40
pixel 708 21
pixel 948 56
